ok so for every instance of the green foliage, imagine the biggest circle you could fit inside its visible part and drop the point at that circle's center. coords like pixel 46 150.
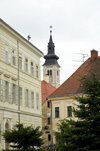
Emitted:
pixel 31 149
pixel 83 134
pixel 24 137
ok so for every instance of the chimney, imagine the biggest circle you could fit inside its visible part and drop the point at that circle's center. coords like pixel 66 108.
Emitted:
pixel 94 54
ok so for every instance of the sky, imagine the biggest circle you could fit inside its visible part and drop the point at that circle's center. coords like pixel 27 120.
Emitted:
pixel 75 28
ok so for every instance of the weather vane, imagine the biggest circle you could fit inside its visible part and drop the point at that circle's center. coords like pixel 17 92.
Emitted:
pixel 50 30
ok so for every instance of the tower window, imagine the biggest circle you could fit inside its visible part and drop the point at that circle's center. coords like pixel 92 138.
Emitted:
pixel 50 72
pixel 57 73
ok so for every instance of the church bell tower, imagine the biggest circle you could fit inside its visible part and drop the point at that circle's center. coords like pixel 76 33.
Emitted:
pixel 51 68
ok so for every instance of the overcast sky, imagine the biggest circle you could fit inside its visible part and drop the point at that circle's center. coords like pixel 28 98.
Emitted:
pixel 76 27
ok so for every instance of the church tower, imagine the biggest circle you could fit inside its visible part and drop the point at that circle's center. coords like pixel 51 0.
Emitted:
pixel 51 68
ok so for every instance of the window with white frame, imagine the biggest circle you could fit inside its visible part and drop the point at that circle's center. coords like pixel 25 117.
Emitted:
pixel 26 65
pixel 13 57
pixel 32 69
pixel 37 71
pixel 14 94
pixel 6 53
pixel 1 89
pixel 69 111
pixel 37 101
pixel 20 61
pixel 20 95
pixel 32 99
pixel 56 112
pixel 6 91
pixel 27 98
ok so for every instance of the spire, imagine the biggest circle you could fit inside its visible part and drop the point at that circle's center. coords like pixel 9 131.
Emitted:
pixel 51 44
pixel 51 58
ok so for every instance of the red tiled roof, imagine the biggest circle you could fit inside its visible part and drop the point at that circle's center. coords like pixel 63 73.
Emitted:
pixel 72 85
pixel 46 89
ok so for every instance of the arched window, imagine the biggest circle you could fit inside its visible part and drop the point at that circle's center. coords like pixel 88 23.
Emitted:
pixel 50 72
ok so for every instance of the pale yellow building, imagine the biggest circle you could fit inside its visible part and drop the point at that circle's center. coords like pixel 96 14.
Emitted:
pixel 46 89
pixel 26 76
pixel 63 99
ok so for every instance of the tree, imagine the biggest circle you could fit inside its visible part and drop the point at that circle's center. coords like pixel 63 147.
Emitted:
pixel 83 134
pixel 24 137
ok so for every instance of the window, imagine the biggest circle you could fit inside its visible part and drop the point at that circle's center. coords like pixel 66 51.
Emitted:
pixel 20 95
pixel 49 137
pixel 20 61
pixel 48 104
pixel 56 112
pixel 6 91
pixel 27 97
pixel 50 72
pixel 6 53
pixel 32 99
pixel 37 71
pixel 1 90
pixel 13 57
pixel 37 101
pixel 0 132
pixel 32 69
pixel 49 120
pixel 57 73
pixel 69 111
pixel 26 65
pixel 14 94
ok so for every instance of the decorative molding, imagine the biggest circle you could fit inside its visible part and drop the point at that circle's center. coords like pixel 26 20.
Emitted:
pixel 13 78
pixel 7 75
pixel 1 72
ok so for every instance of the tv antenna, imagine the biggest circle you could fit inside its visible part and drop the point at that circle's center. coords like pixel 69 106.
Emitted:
pixel 83 56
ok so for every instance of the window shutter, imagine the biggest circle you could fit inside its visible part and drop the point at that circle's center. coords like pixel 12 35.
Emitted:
pixel 1 90
pixel 29 101
pixel 4 91
pixel 25 97
pixel 17 98
pixel 29 71
pixel 10 58
pixel 10 92
pixel 22 65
